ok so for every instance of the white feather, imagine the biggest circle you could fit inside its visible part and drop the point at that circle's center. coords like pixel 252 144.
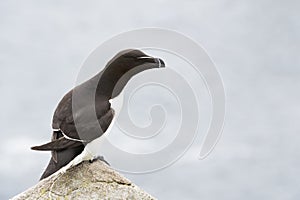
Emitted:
pixel 91 149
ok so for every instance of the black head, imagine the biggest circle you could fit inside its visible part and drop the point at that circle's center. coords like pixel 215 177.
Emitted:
pixel 124 66
pixel 130 59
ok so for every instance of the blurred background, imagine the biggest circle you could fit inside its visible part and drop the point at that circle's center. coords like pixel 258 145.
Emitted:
pixel 254 44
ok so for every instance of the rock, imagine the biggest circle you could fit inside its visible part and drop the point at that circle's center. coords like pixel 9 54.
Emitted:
pixel 85 181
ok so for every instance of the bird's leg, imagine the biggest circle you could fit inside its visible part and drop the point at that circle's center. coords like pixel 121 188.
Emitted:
pixel 99 158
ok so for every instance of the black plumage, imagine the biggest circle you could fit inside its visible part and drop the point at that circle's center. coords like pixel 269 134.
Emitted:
pixel 67 142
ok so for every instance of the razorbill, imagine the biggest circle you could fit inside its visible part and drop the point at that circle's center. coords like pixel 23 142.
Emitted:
pixel 76 127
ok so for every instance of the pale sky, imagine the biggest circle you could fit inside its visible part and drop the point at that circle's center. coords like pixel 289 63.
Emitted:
pixel 254 44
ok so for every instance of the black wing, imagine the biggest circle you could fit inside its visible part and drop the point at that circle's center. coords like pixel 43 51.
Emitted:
pixel 86 123
pixel 90 131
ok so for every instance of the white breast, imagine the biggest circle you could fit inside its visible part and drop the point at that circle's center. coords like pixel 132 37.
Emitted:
pixel 116 104
pixel 91 150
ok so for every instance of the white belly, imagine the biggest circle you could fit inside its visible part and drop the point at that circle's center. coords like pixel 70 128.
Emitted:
pixel 94 146
pixel 92 149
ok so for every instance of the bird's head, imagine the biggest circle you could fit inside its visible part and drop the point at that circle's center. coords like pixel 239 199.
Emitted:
pixel 132 60
pixel 124 66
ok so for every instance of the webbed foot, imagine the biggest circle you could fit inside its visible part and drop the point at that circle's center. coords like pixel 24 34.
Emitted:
pixel 99 158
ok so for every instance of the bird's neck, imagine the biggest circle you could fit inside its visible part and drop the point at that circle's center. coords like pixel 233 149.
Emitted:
pixel 109 85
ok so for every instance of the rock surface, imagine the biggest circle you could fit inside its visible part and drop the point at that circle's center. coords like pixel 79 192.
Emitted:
pixel 85 181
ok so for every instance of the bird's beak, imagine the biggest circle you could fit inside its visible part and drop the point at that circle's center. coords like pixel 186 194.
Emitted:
pixel 160 62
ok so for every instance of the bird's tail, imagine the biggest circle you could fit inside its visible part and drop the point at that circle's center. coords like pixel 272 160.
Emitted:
pixel 57 145
pixel 61 159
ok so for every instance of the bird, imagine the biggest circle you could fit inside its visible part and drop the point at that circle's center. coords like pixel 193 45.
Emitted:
pixel 75 125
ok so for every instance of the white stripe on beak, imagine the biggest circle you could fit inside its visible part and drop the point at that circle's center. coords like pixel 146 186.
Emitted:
pixel 159 63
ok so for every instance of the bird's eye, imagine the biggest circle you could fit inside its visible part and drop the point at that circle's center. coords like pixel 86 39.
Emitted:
pixel 129 57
